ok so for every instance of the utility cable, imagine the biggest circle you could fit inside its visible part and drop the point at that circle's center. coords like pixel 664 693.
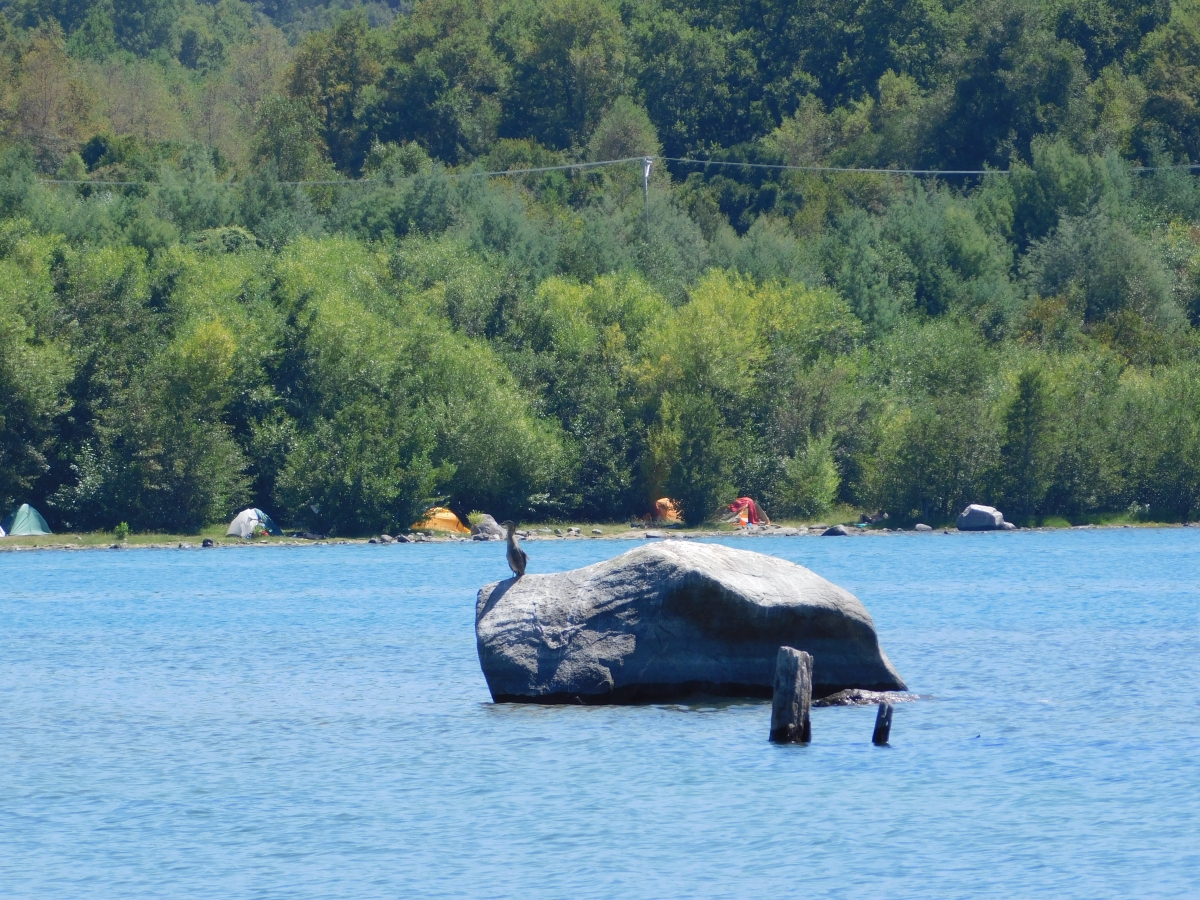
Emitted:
pixel 347 182
pixel 586 165
pixel 932 172
pixel 783 168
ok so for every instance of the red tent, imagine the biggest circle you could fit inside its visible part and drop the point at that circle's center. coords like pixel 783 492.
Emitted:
pixel 748 512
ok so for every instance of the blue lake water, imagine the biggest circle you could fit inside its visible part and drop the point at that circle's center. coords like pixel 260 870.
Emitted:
pixel 312 722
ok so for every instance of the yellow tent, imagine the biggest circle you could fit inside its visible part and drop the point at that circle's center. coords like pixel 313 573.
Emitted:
pixel 438 518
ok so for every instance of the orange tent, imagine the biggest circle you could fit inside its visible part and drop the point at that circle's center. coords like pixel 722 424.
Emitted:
pixel 665 510
pixel 438 518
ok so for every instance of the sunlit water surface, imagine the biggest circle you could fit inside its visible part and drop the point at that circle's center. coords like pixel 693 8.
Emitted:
pixel 312 722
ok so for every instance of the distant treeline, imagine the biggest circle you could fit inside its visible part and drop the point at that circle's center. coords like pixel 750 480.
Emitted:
pixel 207 334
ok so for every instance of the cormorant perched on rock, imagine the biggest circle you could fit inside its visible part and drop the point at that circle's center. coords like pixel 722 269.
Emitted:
pixel 517 558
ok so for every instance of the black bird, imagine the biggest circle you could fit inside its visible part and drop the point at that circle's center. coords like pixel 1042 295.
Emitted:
pixel 517 558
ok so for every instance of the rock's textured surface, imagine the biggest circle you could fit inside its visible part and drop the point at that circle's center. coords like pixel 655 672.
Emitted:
pixel 980 518
pixel 671 619
pixel 489 528
pixel 856 697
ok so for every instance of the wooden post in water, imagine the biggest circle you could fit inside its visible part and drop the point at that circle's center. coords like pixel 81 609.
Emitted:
pixel 793 697
pixel 883 724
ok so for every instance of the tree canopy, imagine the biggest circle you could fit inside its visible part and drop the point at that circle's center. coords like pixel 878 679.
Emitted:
pixel 248 253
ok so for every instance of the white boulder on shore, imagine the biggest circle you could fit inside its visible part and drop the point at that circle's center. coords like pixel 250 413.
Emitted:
pixel 977 517
pixel 671 619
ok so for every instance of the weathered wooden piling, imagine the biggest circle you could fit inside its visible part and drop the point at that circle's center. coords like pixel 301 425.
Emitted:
pixel 883 724
pixel 792 701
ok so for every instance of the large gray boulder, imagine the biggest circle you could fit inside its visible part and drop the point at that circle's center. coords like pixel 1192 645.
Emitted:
pixel 487 527
pixel 980 518
pixel 671 619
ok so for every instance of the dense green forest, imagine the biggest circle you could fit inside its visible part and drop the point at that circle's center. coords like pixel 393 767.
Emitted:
pixel 248 255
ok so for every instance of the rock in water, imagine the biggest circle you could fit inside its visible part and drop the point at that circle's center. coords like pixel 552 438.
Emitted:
pixel 980 518
pixel 668 620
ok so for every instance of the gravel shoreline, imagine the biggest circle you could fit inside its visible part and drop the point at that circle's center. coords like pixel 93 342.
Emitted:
pixel 641 533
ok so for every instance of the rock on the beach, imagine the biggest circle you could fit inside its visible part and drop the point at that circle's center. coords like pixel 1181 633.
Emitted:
pixel 668 620
pixel 489 527
pixel 922 527
pixel 980 518
pixel 835 531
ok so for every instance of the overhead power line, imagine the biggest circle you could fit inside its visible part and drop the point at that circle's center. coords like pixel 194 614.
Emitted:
pixel 350 182
pixel 537 170
pixel 113 183
pixel 783 168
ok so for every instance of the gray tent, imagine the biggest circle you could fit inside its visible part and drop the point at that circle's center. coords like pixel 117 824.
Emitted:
pixel 244 523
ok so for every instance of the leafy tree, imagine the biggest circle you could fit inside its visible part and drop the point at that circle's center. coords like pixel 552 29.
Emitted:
pixel 34 367
pixel 1161 449
pixel 933 459
pixel 96 36
pixel 1103 268
pixel 1016 82
pixel 810 481
pixel 333 75
pixel 1166 64
pixel 367 469
pixel 1026 447
pixel 569 63
pixel 444 81
pixel 702 87
pixel 695 450
pixel 52 107
pixel 1107 32
pixel 955 264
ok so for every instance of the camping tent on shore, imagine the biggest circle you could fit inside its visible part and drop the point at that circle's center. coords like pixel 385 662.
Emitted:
pixel 438 518
pixel 24 520
pixel 665 512
pixel 747 512
pixel 247 520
